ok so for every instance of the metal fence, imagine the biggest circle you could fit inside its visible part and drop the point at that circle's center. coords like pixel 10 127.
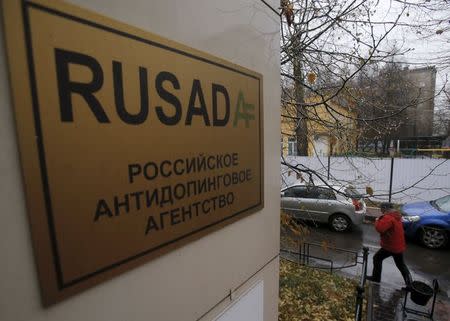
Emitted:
pixel 361 286
pixel 400 180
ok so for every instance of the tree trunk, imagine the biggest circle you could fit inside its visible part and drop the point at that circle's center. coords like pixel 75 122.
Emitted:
pixel 302 129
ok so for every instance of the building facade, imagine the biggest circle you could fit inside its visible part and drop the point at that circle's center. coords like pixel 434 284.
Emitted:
pixel 228 274
pixel 331 128
pixel 418 118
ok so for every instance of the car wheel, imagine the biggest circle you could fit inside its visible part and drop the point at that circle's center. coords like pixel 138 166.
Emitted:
pixel 340 223
pixel 433 237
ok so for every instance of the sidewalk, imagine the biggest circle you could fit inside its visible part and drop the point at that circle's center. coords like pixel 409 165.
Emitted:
pixel 385 304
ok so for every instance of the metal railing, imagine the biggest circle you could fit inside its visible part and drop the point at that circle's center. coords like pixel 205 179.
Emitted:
pixel 304 256
pixel 361 286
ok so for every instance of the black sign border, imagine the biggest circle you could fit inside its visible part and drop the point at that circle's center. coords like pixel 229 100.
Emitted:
pixel 26 5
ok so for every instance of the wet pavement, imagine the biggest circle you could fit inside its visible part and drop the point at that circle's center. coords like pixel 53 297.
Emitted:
pixel 424 264
pixel 386 303
pixel 385 299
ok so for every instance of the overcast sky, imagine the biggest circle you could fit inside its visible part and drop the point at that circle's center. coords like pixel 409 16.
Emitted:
pixel 425 48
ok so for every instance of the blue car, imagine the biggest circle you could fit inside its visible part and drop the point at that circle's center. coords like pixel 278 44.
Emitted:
pixel 429 222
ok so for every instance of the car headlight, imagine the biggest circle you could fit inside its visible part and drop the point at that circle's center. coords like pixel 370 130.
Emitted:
pixel 413 218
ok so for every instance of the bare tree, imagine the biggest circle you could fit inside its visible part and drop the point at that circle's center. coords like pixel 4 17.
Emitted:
pixel 430 20
pixel 406 94
pixel 330 50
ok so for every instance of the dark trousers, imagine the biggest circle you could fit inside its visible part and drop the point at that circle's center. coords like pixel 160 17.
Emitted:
pixel 399 262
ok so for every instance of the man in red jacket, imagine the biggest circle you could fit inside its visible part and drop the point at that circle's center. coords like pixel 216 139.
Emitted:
pixel 390 227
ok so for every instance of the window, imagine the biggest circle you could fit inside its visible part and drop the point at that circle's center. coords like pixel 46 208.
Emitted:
pixel 325 193
pixel 296 191
pixel 352 193
pixel 310 192
pixel 443 204
pixel 321 145
pixel 292 146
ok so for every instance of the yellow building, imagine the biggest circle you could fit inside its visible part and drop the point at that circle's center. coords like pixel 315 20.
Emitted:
pixel 288 130
pixel 331 127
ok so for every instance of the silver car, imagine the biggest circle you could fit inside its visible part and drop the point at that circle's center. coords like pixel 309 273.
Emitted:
pixel 339 206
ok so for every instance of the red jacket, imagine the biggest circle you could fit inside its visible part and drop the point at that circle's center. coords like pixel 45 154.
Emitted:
pixel 390 228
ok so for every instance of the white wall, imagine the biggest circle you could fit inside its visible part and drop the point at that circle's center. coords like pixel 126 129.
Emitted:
pixel 413 179
pixel 194 281
pixel 248 307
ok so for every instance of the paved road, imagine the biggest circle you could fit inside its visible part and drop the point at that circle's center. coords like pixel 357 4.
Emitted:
pixel 424 264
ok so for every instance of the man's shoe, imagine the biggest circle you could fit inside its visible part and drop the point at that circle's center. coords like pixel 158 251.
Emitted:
pixel 371 279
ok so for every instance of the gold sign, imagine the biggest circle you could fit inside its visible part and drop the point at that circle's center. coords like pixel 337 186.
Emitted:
pixel 131 144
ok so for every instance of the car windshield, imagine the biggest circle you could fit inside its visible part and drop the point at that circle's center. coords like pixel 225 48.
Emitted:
pixel 443 203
